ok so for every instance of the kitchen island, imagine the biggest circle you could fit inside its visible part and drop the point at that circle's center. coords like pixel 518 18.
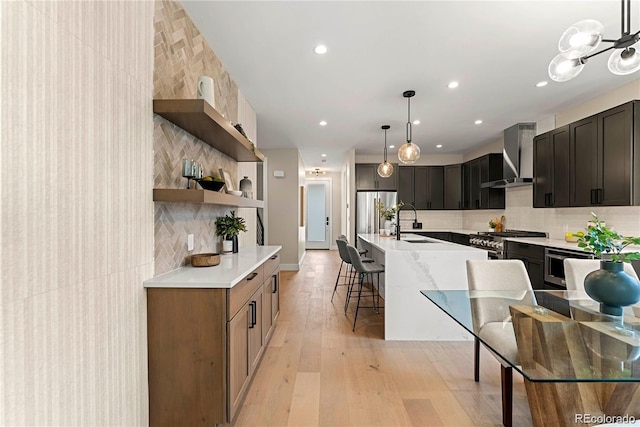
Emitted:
pixel 412 264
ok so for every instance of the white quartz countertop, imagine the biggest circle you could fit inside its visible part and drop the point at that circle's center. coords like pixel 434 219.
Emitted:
pixel 424 244
pixel 231 270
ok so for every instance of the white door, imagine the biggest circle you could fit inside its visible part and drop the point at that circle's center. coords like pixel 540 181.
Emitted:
pixel 318 214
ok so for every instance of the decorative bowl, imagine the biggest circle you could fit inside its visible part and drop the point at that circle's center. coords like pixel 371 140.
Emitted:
pixel 235 193
pixel 205 260
pixel 211 185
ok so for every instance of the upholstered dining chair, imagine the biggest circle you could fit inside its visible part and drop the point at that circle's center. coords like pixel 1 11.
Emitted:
pixel 492 324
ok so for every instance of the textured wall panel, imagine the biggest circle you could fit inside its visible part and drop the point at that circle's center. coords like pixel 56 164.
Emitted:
pixel 76 224
pixel 181 56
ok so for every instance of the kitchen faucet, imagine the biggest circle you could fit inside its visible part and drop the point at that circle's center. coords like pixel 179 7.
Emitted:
pixel 415 218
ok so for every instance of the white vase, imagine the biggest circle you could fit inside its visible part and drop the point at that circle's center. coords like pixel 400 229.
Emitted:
pixel 227 245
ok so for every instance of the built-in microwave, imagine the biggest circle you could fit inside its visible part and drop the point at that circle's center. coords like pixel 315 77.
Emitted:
pixel 554 264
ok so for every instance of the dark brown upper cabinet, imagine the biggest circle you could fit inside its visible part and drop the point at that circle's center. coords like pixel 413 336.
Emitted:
pixel 422 186
pixel 551 168
pixel 604 159
pixel 367 178
pixel 475 172
pixel 453 186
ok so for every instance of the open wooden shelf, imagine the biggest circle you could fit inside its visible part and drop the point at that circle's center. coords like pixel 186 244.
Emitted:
pixel 201 120
pixel 203 196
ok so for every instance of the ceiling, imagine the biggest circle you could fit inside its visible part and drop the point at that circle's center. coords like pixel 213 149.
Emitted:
pixel 496 50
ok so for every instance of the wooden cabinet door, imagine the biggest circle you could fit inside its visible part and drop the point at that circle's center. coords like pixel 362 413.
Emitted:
pixel 386 184
pixel 420 189
pixel 584 161
pixel 267 306
pixel 365 177
pixel 615 130
pixel 560 167
pixel 542 176
pixel 256 337
pixel 275 295
pixel 405 184
pixel 239 369
pixel 453 187
pixel 435 187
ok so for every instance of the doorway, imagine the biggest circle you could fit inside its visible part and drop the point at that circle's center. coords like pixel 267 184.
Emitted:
pixel 318 214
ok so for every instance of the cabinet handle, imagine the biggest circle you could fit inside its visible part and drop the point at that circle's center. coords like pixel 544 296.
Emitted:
pixel 551 199
pixel 593 196
pixel 599 195
pixel 274 289
pixel 274 257
pixel 546 199
pixel 252 306
pixel 252 276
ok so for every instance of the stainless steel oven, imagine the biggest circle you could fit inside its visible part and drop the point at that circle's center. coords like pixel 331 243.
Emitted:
pixel 554 264
pixel 493 242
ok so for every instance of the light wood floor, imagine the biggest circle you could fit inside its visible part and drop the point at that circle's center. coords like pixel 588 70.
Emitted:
pixel 317 372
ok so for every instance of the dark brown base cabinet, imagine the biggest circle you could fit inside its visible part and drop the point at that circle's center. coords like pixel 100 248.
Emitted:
pixel 592 162
pixel 205 345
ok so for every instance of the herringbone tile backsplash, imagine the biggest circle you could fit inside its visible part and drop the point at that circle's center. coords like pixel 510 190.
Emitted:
pixel 181 56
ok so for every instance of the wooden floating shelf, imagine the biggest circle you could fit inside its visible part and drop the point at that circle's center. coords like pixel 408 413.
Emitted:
pixel 203 196
pixel 201 120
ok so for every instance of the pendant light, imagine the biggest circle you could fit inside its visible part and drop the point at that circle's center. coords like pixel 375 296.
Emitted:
pixel 582 38
pixel 408 153
pixel 385 169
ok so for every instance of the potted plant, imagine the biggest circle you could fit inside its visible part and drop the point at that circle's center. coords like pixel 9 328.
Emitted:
pixel 610 285
pixel 388 214
pixel 229 226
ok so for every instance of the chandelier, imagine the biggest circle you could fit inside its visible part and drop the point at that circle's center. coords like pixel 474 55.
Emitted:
pixel 408 152
pixel 385 169
pixel 584 37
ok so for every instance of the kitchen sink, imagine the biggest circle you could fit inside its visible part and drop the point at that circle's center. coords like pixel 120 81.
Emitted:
pixel 417 241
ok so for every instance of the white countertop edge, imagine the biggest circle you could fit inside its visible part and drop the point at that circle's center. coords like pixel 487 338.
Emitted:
pixel 217 277
pixel 390 243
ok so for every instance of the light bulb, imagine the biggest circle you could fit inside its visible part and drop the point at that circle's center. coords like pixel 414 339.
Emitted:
pixel 562 68
pixel 625 61
pixel 408 153
pixel 581 38
pixel 385 169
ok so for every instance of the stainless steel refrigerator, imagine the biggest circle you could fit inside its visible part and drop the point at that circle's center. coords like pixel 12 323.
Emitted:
pixel 367 218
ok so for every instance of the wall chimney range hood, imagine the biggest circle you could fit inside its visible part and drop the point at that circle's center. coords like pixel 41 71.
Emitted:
pixel 517 164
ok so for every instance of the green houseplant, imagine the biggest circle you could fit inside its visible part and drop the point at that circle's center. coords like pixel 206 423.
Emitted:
pixel 229 226
pixel 610 285
pixel 387 213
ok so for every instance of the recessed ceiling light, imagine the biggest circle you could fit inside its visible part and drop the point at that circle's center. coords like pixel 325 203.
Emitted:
pixel 320 49
pixel 542 84
pixel 439 146
pixel 323 155
pixel 416 122
pixel 478 122
pixel 392 146
pixel 322 123
pixel 453 85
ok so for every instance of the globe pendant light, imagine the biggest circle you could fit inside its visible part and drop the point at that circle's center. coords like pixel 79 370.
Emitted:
pixel 385 169
pixel 408 153
pixel 582 38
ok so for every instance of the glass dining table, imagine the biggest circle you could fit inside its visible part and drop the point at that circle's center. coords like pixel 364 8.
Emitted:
pixel 579 369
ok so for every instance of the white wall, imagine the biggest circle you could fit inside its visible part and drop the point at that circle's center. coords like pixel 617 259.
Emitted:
pixel 283 205
pixel 76 165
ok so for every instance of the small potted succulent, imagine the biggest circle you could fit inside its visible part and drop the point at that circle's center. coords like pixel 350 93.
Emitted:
pixel 610 285
pixel 229 226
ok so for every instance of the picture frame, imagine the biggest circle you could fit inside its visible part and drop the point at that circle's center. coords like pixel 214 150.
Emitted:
pixel 227 179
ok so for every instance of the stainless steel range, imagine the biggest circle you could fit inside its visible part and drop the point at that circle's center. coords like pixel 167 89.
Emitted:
pixel 493 242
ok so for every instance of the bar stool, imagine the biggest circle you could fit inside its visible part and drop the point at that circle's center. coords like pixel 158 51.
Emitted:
pixel 346 262
pixel 363 270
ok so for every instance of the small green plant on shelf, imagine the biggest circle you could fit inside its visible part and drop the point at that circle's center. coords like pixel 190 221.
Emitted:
pixel 229 226
pixel 601 240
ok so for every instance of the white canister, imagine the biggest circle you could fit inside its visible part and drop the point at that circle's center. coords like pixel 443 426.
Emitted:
pixel 205 89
